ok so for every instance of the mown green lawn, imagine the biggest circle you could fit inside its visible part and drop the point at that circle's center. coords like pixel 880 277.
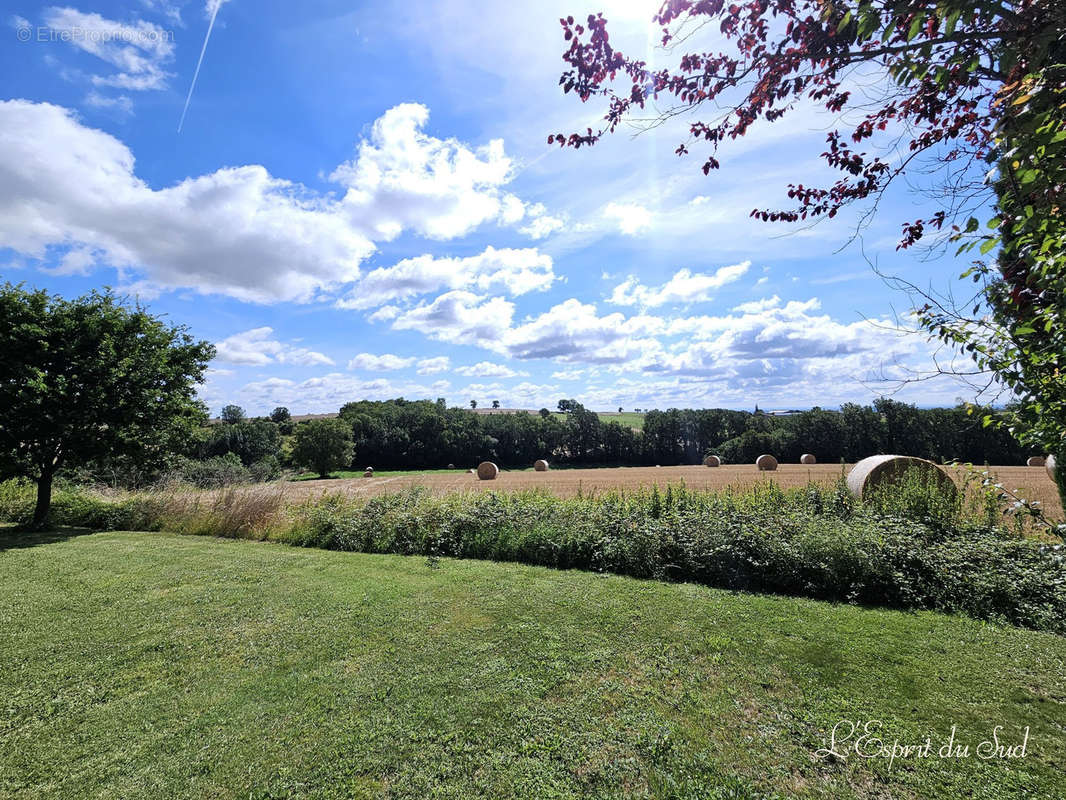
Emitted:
pixel 153 665
pixel 628 419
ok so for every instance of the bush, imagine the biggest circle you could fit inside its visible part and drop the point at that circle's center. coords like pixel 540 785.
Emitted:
pixel 216 472
pixel 17 499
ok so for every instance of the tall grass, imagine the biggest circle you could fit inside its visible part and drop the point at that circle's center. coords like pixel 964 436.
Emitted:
pixel 913 547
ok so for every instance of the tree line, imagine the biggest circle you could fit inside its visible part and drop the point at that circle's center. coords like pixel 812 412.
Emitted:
pixel 424 434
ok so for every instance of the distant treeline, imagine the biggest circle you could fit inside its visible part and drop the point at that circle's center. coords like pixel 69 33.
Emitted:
pixel 425 434
pixel 401 433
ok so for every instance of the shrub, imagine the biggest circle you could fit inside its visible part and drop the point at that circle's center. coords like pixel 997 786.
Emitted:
pixel 216 472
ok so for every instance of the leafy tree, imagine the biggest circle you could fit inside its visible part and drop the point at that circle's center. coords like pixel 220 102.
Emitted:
pixel 323 445
pixel 251 441
pixel 88 379
pixel 544 413
pixel 232 414
pixel 967 83
pixel 280 415
pixel 473 404
pixel 495 403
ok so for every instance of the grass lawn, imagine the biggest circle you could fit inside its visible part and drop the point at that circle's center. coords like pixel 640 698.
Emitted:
pixel 627 419
pixel 154 665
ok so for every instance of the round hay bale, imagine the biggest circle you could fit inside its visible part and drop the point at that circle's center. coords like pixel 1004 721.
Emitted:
pixel 1051 467
pixel 368 474
pixel 487 471
pixel 451 466
pixel 766 463
pixel 540 465
pixel 807 458
pixel 712 461
pixel 369 469
pixel 471 472
pixel 887 470
pixel 1036 461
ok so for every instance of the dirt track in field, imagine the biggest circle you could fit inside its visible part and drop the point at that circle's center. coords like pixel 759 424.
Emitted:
pixel 1033 482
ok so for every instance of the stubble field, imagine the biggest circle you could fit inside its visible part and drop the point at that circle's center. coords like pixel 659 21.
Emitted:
pixel 1031 483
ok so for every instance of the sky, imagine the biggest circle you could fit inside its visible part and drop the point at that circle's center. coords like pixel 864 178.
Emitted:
pixel 361 203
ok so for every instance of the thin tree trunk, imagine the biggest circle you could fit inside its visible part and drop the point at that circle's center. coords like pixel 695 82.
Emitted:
pixel 44 500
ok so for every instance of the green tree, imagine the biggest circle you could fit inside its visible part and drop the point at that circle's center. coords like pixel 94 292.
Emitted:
pixel 232 414
pixel 89 379
pixel 280 415
pixel 251 441
pixel 323 445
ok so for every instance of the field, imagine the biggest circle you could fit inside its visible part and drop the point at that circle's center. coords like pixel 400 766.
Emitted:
pixel 155 665
pixel 1033 482
pixel 630 419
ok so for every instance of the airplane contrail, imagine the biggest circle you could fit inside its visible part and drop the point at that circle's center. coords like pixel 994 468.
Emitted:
pixel 211 24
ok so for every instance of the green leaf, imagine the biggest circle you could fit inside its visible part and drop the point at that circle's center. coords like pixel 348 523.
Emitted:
pixel 915 27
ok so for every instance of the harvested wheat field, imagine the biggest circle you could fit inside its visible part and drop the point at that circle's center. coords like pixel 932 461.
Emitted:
pixel 1033 482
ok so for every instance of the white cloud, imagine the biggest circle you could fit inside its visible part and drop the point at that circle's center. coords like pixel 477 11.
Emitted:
pixel 403 178
pixel 326 393
pixel 631 218
pixel 255 347
pixel 569 374
pixel 122 104
pixel 486 369
pixel 138 50
pixel 433 366
pixel 683 287
pixel 758 306
pixel 573 331
pixel 460 318
pixel 379 363
pixel 541 223
pixel 240 231
pixel 516 271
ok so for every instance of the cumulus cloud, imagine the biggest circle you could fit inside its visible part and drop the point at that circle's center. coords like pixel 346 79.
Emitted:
pixel 403 179
pixel 516 271
pixel 433 366
pixel 138 50
pixel 486 369
pixel 256 347
pixel 240 231
pixel 758 306
pixel 379 363
pixel 684 287
pixel 325 393
pixel 541 223
pixel 573 331
pixel 631 218
pixel 459 317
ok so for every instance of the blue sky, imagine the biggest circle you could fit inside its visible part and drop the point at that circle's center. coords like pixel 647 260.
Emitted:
pixel 361 203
